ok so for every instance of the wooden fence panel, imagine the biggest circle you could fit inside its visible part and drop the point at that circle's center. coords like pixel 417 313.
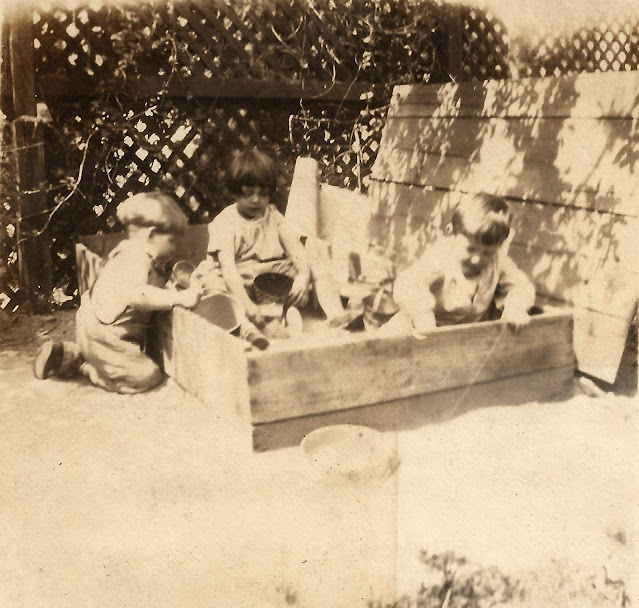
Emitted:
pixel 559 149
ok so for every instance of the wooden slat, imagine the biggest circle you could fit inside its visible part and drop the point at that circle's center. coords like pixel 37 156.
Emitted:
pixel 362 369
pixel 34 247
pixel 594 95
pixel 6 87
pixel 422 410
pixel 599 340
pixel 207 362
pixel 599 343
pixel 454 29
pixel 200 86
pixel 88 265
pixel 555 228
pixel 587 164
pixel 21 59
pixel 580 281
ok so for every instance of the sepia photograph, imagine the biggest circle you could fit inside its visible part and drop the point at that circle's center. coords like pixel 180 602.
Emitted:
pixel 319 303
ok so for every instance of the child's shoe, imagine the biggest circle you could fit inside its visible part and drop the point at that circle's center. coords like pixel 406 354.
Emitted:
pixel 252 334
pixel 48 360
pixel 349 319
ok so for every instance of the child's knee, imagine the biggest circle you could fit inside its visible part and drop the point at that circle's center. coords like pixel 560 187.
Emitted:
pixel 147 377
pixel 140 377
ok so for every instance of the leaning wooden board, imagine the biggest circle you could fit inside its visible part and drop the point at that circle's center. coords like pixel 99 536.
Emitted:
pixel 563 151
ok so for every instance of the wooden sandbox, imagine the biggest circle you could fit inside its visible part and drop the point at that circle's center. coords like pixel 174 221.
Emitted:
pixel 359 378
pixel 303 383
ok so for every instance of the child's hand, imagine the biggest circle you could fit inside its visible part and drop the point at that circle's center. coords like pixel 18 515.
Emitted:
pixel 254 315
pixel 298 296
pixel 423 323
pixel 188 298
pixel 516 318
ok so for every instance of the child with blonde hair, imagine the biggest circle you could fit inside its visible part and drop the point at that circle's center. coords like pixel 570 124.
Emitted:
pixel 116 314
pixel 465 274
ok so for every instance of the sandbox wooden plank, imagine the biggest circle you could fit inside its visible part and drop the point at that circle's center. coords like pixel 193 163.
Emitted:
pixel 415 412
pixel 364 369
pixel 205 360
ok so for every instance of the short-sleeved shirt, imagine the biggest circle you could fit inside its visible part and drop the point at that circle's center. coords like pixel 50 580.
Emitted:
pixel 129 267
pixel 249 239
pixel 436 282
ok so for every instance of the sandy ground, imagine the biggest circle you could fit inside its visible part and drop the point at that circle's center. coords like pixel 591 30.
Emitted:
pixel 157 500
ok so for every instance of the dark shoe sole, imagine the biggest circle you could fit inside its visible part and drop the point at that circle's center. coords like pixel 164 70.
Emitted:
pixel 48 359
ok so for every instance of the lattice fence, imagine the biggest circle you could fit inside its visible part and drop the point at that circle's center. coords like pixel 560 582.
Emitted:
pixel 116 140
pixel 484 46
pixel 129 89
pixel 607 46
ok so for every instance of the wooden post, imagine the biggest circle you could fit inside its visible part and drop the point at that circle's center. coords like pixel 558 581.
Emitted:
pixel 454 51
pixel 34 255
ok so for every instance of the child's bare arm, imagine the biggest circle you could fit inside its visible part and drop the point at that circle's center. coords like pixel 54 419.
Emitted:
pixel 296 253
pixel 235 285
pixel 156 298
pixel 413 295
pixel 515 295
pixel 294 249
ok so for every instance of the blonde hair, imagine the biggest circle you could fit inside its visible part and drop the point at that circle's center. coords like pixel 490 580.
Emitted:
pixel 154 209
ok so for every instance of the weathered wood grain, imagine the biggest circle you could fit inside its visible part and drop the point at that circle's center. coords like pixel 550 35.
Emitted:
pixel 206 361
pixel 88 266
pixel 577 163
pixel 415 412
pixel 593 95
pixel 365 369
pixel 562 151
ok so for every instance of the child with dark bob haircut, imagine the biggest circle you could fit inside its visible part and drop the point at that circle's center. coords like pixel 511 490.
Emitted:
pixel 251 237
pixel 465 274
pixel 115 315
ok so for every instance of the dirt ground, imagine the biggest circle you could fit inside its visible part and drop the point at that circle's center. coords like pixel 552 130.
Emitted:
pixel 157 500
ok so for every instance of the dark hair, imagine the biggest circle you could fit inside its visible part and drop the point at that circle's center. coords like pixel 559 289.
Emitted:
pixel 251 167
pixel 483 218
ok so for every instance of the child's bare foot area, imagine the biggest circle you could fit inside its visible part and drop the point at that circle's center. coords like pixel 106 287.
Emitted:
pixel 346 320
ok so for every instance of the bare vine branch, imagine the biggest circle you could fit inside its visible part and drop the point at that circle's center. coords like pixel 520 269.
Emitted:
pixel 62 201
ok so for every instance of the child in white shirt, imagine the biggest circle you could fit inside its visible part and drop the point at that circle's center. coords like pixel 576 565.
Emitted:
pixel 463 275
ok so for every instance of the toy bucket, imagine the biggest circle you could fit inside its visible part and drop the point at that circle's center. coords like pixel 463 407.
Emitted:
pixel 272 287
pixel 350 453
pixel 181 274
pixel 378 309
pixel 221 310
